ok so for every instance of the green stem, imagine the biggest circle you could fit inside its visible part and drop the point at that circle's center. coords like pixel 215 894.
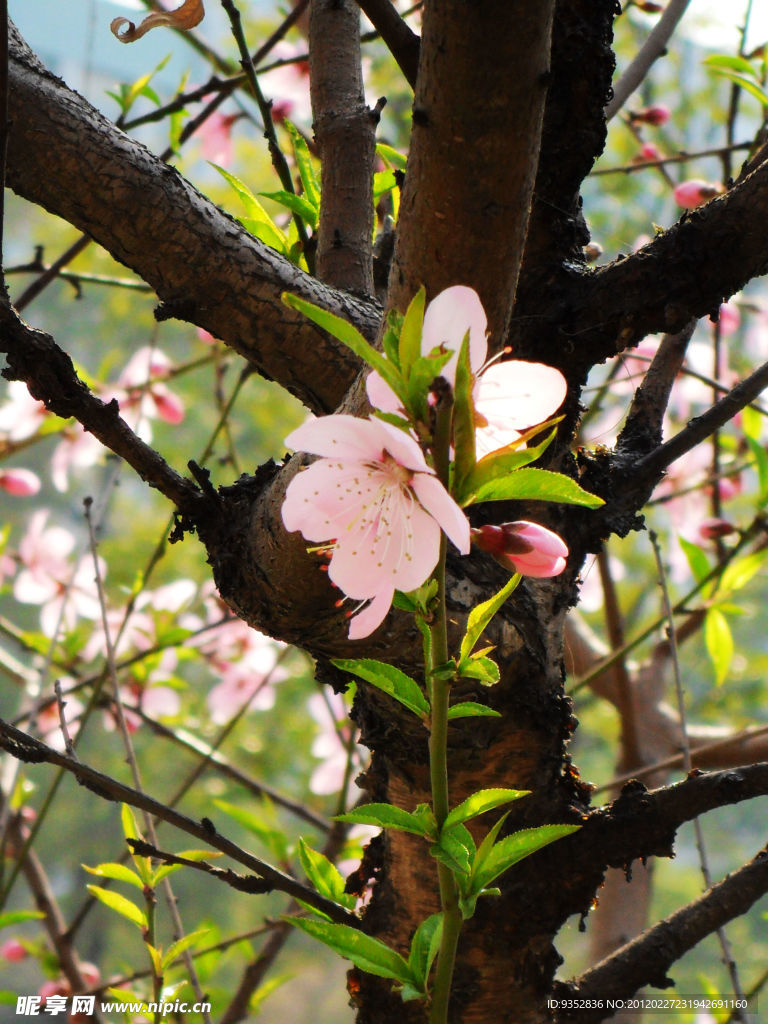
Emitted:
pixel 440 690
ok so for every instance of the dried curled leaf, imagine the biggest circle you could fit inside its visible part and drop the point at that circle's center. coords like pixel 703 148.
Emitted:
pixel 190 13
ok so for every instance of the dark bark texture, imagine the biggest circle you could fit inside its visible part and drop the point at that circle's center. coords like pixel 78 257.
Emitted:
pixel 507 120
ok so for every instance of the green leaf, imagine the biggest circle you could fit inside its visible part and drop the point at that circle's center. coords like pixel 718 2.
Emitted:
pixel 177 948
pixel 480 617
pixel 296 204
pixel 389 679
pixel 463 417
pixel 304 163
pixel 721 60
pixel 500 464
pixel 697 559
pixel 740 572
pixel 751 423
pixel 350 336
pixel 141 88
pixel 257 221
pixel 17 916
pixel 760 455
pixel 119 872
pixel 365 952
pixel 485 670
pixel 387 816
pixel 383 182
pixel 272 837
pixel 324 875
pixel 455 848
pixel 424 369
pixel 119 904
pixel 471 709
pixel 391 156
pixel 480 802
pixel 539 485
pixel 424 948
pixel 747 84
pixel 719 642
pixel 514 848
pixel 410 333
pixel 267 233
pixel 156 958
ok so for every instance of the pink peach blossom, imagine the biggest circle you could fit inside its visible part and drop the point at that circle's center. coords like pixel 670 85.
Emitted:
pixel 527 548
pixel 509 396
pixel 379 506
pixel 22 415
pixel 22 483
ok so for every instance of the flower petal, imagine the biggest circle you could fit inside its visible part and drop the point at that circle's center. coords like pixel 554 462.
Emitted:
pixel 441 506
pixel 338 437
pixel 372 616
pixel 447 319
pixel 380 394
pixel 517 394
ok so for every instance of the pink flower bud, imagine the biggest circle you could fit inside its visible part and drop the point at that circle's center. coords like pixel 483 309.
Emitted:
pixel 20 482
pixel 523 547
pixel 649 6
pixel 694 192
pixel 648 151
pixel 655 115
pixel 13 951
pixel 711 529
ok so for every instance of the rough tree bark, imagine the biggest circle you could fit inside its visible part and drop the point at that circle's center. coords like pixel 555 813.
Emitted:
pixel 507 119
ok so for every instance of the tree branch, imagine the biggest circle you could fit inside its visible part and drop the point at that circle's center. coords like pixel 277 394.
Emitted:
pixel 402 42
pixel 35 358
pixel 642 823
pixel 345 135
pixel 32 751
pixel 685 272
pixel 65 156
pixel 646 959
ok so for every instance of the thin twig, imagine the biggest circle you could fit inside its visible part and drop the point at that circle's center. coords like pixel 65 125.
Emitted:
pixel 279 161
pixel 131 754
pixel 725 945
pixel 700 427
pixel 653 48
pixel 32 751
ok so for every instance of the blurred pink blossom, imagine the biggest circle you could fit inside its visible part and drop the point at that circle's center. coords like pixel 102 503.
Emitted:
pixel 694 192
pixel 49 579
pixel 141 392
pixel 334 745
pixel 288 86
pixel 215 135
pixel 13 951
pixel 22 415
pixel 22 483
pixel 76 450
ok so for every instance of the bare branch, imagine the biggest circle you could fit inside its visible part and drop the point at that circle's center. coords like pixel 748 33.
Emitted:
pixel 65 156
pixel 646 960
pixel 402 41
pixel 32 751
pixel 653 48
pixel 345 135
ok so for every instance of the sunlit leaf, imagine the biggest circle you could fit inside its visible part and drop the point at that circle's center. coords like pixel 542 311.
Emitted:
pixel 480 617
pixel 115 901
pixel 365 952
pixel 481 801
pixel 536 484
pixel 389 679
pixel 385 816
pixel 719 643
pixel 471 709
